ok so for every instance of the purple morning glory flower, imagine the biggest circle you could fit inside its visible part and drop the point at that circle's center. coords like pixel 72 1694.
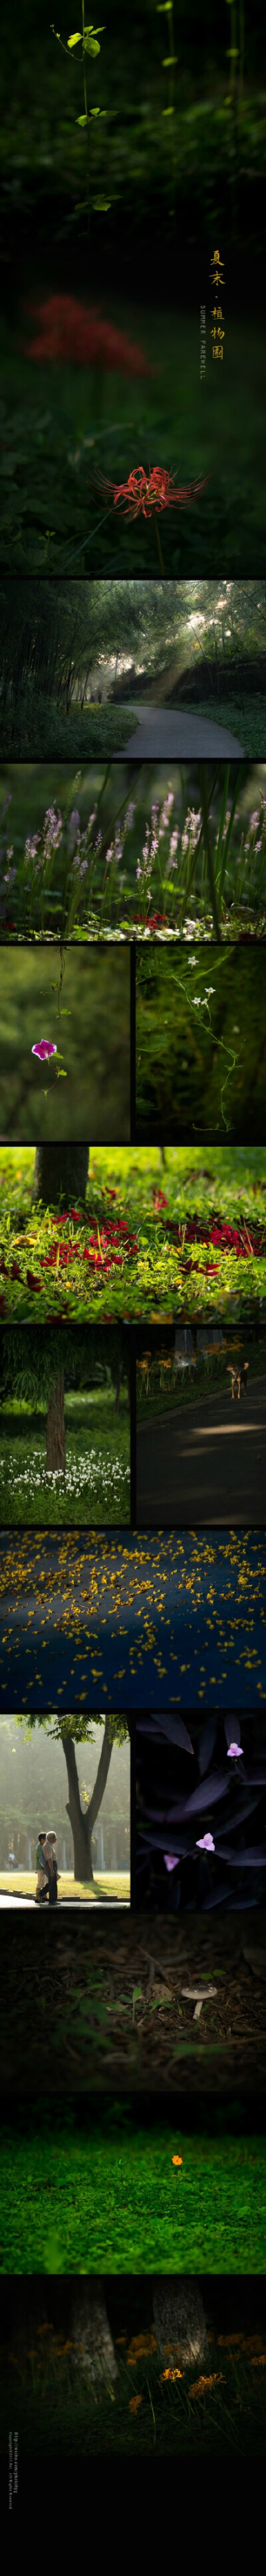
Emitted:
pixel 234 1749
pixel 44 1048
pixel 207 1843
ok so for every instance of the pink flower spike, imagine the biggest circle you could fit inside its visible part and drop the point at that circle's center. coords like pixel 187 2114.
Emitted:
pixel 233 1750
pixel 207 1843
pixel 44 1048
pixel 169 1863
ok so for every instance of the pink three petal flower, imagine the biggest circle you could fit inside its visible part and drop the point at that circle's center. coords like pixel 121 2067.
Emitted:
pixel 45 1047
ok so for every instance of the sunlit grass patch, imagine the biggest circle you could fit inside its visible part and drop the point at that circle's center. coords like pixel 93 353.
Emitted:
pixel 64 2209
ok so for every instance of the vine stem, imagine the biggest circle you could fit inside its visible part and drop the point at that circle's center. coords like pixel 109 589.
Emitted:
pixel 86 115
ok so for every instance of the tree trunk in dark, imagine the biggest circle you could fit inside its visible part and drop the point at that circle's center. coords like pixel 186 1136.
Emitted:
pixel 82 1825
pixel 55 1430
pixel 61 1172
pixel 179 2320
pixel 92 2341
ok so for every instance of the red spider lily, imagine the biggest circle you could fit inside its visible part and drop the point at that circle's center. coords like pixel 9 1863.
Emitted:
pixel 69 332
pixel 150 492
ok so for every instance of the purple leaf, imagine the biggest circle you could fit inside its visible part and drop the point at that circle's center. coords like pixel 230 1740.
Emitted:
pixel 253 1859
pixel 166 1726
pixel 205 1796
pixel 233 1823
pixel 207 1740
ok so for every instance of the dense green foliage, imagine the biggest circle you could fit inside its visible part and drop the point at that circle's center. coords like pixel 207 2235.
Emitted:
pixel 200 1048
pixel 121 161
pixel 63 424
pixel 217 132
pixel 156 860
pixel 155 1190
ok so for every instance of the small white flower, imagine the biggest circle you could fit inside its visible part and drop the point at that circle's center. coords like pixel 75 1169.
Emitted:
pixel 197 998
pixel 236 1030
pixel 192 961
pixel 209 988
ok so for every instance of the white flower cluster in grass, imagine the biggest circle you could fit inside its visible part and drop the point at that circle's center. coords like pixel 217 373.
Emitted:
pixel 89 1471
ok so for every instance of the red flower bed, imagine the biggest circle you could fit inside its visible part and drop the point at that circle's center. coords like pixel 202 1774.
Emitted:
pixel 109 1242
pixel 104 1250
pixel 229 1238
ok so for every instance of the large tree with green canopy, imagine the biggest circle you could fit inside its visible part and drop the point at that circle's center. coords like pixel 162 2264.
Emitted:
pixel 80 1730
pixel 35 1364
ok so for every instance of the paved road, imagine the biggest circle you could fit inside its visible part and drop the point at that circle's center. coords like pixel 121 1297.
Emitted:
pixel 163 734
pixel 205 1462
pixel 94 1622
pixel 66 1901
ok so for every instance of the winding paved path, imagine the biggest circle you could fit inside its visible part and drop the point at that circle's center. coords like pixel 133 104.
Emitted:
pixel 163 734
pixel 204 1462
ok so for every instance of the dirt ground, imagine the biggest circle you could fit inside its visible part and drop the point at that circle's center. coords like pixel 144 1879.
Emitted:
pixel 112 2011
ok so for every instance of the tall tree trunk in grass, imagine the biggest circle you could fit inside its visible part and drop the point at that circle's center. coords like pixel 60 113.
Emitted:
pixel 179 2320
pixel 61 1172
pixel 82 1825
pixel 55 1430
pixel 91 2338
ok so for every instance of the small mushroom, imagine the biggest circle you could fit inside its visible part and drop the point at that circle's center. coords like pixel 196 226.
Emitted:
pixel 198 1995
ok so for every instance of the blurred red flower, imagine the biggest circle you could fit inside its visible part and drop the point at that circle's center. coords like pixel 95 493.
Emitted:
pixel 70 332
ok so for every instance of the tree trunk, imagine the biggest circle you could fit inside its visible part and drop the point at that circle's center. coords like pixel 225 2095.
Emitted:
pixel 55 1430
pixel 61 1172
pixel 82 1825
pixel 178 2317
pixel 179 2320
pixel 92 2342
